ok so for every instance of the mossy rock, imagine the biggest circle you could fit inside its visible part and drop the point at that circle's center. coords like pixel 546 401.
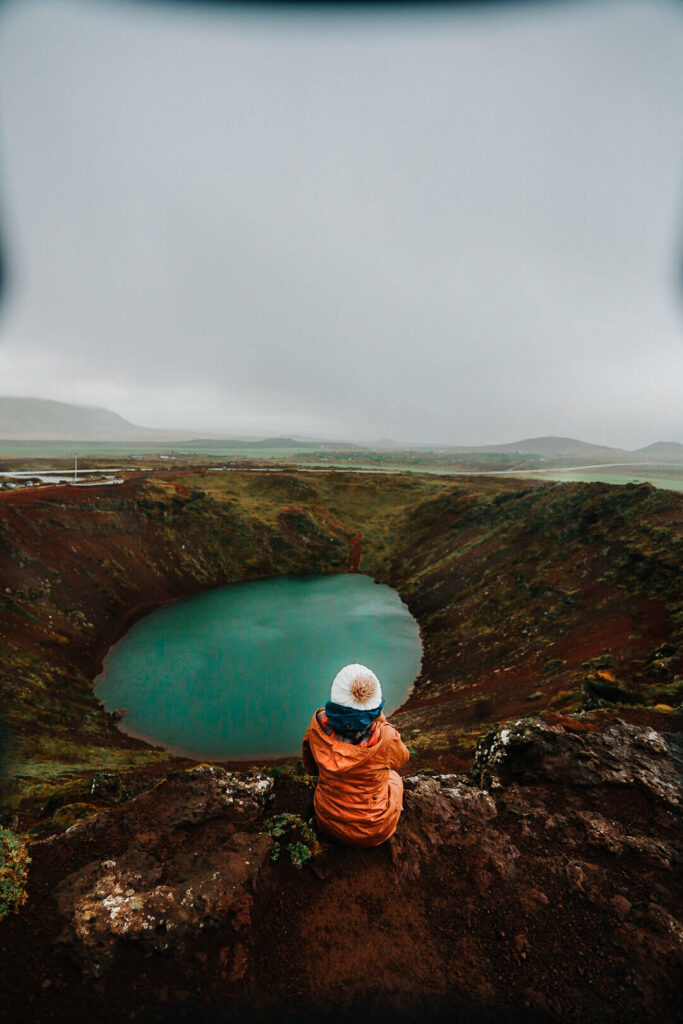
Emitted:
pixel 68 793
pixel 602 661
pixel 69 814
pixel 610 692
pixel 563 698
pixel 66 816
pixel 102 787
pixel 670 693
pixel 108 788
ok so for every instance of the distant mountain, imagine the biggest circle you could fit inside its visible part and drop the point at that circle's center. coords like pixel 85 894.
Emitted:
pixel 265 442
pixel 39 419
pixel 550 446
pixel 571 448
pixel 670 450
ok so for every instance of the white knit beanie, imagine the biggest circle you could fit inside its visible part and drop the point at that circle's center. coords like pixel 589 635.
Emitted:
pixel 356 687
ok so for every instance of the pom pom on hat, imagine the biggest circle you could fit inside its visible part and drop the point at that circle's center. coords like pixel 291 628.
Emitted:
pixel 356 686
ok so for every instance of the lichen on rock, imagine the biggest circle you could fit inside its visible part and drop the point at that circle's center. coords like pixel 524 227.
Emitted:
pixel 179 874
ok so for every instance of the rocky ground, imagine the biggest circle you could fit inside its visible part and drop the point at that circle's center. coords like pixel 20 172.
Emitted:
pixel 545 886
pixel 535 874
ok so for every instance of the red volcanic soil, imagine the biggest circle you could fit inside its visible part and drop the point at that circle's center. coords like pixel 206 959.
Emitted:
pixel 503 692
pixel 545 890
pixel 68 492
pixel 354 541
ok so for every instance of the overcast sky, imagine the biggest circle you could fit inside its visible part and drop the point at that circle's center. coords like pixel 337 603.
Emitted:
pixel 442 226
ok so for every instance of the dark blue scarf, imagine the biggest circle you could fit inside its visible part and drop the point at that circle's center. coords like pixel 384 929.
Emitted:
pixel 349 720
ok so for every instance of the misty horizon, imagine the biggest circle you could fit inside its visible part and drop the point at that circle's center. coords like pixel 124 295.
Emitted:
pixel 316 439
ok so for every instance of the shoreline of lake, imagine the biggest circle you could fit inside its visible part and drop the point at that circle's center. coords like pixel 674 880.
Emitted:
pixel 365 603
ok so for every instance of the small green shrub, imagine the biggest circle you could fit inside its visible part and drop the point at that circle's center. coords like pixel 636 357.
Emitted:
pixel 14 861
pixel 300 850
pixel 299 853
pixel 291 773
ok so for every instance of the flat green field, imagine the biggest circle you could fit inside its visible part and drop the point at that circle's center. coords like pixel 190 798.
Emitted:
pixel 672 481
pixel 27 455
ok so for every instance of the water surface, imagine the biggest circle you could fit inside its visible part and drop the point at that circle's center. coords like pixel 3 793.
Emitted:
pixel 238 671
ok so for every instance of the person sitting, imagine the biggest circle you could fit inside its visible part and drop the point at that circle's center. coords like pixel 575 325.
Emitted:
pixel 355 752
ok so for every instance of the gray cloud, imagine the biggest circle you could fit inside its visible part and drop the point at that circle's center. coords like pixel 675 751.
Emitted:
pixel 449 226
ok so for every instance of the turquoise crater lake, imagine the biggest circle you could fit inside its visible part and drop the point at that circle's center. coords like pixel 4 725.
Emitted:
pixel 237 672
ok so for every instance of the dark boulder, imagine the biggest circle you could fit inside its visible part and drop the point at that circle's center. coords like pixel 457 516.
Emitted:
pixel 178 875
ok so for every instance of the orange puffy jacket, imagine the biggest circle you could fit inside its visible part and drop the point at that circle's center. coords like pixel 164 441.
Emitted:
pixel 359 797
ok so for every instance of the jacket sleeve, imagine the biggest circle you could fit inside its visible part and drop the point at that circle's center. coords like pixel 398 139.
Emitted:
pixel 397 751
pixel 307 757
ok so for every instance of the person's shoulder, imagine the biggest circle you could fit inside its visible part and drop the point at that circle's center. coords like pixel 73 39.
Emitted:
pixel 315 718
pixel 389 732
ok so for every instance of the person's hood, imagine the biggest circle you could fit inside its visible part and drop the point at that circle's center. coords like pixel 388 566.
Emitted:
pixel 336 754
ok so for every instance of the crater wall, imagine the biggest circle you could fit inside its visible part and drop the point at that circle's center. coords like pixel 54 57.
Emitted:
pixel 527 596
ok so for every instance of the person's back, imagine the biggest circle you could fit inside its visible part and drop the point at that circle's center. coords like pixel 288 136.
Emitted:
pixel 355 752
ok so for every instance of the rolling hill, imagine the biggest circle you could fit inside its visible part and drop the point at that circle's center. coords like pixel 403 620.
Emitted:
pixel 38 419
